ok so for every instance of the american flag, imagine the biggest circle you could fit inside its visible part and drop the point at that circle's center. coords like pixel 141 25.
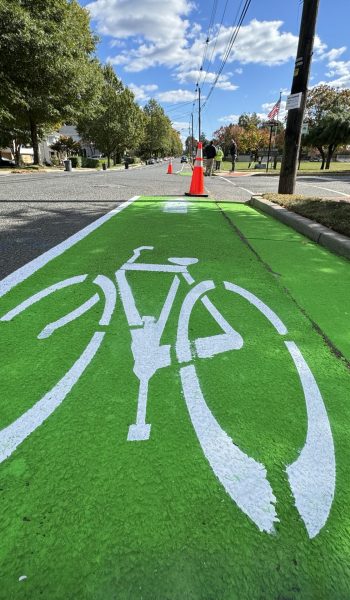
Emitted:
pixel 275 110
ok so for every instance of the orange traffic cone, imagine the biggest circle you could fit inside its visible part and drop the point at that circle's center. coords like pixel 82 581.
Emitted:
pixel 197 182
pixel 170 168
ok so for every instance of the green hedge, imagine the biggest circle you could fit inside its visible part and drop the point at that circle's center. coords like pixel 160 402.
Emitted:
pixel 76 161
pixel 93 163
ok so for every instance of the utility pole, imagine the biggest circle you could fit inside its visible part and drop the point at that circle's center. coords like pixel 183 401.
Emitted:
pixel 199 115
pixel 300 84
pixel 192 139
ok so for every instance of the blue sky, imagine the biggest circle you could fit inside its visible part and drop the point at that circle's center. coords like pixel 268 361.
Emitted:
pixel 157 48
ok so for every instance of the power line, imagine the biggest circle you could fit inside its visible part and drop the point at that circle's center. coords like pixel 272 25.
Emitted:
pixel 216 40
pixel 229 47
pixel 206 45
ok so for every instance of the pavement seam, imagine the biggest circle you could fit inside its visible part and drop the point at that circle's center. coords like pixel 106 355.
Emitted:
pixel 334 350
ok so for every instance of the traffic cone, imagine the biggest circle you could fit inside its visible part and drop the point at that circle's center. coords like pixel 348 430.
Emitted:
pixel 197 182
pixel 170 168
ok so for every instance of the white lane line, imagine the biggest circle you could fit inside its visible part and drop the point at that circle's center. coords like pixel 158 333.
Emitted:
pixel 312 475
pixel 235 185
pixel 24 272
pixel 320 187
pixel 13 435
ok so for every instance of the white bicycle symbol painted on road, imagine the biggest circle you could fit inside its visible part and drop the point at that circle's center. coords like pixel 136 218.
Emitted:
pixel 311 476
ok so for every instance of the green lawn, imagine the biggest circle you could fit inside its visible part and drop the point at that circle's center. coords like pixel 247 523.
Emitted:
pixel 335 215
pixel 305 166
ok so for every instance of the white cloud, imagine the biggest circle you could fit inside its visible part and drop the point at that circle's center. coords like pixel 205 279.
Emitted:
pixel 340 69
pixel 260 42
pixel 334 53
pixel 154 20
pixel 159 30
pixel 141 91
pixel 175 96
pixel 180 126
pixel 229 119
pixel 209 77
pixel 239 71
pixel 161 34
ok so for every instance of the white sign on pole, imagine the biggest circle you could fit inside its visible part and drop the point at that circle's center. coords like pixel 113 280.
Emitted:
pixel 294 101
pixel 305 129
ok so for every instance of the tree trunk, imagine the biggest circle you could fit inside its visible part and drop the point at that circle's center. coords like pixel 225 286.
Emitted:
pixel 109 161
pixel 331 149
pixel 323 156
pixel 17 153
pixel 35 141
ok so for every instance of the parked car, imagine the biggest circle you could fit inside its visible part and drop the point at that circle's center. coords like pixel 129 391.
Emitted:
pixel 314 159
pixel 184 159
pixel 151 161
pixel 6 163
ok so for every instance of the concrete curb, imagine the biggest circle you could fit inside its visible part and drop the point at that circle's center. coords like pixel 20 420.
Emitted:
pixel 333 241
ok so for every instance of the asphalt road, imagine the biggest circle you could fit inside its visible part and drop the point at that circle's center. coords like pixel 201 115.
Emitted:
pixel 39 210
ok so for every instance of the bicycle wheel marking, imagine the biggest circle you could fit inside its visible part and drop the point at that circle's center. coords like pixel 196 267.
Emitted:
pixel 74 314
pixel 13 435
pixel 244 479
pixel 264 309
pixel 312 475
pixel 42 294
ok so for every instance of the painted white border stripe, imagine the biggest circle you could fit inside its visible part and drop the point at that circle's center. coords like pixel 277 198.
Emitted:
pixel 24 272
pixel 236 185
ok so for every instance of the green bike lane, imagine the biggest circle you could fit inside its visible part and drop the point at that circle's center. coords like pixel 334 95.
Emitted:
pixel 207 505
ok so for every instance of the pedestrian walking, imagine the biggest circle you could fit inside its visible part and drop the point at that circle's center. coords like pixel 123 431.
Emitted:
pixel 210 155
pixel 218 158
pixel 233 153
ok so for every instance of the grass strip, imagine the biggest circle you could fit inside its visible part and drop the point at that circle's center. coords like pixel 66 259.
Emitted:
pixel 332 214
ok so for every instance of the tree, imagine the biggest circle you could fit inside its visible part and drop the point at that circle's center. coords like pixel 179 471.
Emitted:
pixel 67 146
pixel 118 124
pixel 333 130
pixel 176 144
pixel 48 73
pixel 158 129
pixel 248 119
pixel 253 139
pixel 224 136
pixel 327 111
pixel 203 138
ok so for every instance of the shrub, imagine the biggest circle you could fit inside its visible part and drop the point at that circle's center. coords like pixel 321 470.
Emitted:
pixel 76 161
pixel 92 163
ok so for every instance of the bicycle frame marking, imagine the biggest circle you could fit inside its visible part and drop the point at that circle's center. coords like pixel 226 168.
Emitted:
pixel 311 476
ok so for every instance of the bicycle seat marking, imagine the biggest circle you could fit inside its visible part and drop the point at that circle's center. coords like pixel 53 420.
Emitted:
pixel 311 477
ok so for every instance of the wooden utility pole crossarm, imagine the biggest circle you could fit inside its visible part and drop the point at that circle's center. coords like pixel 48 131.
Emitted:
pixel 300 84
